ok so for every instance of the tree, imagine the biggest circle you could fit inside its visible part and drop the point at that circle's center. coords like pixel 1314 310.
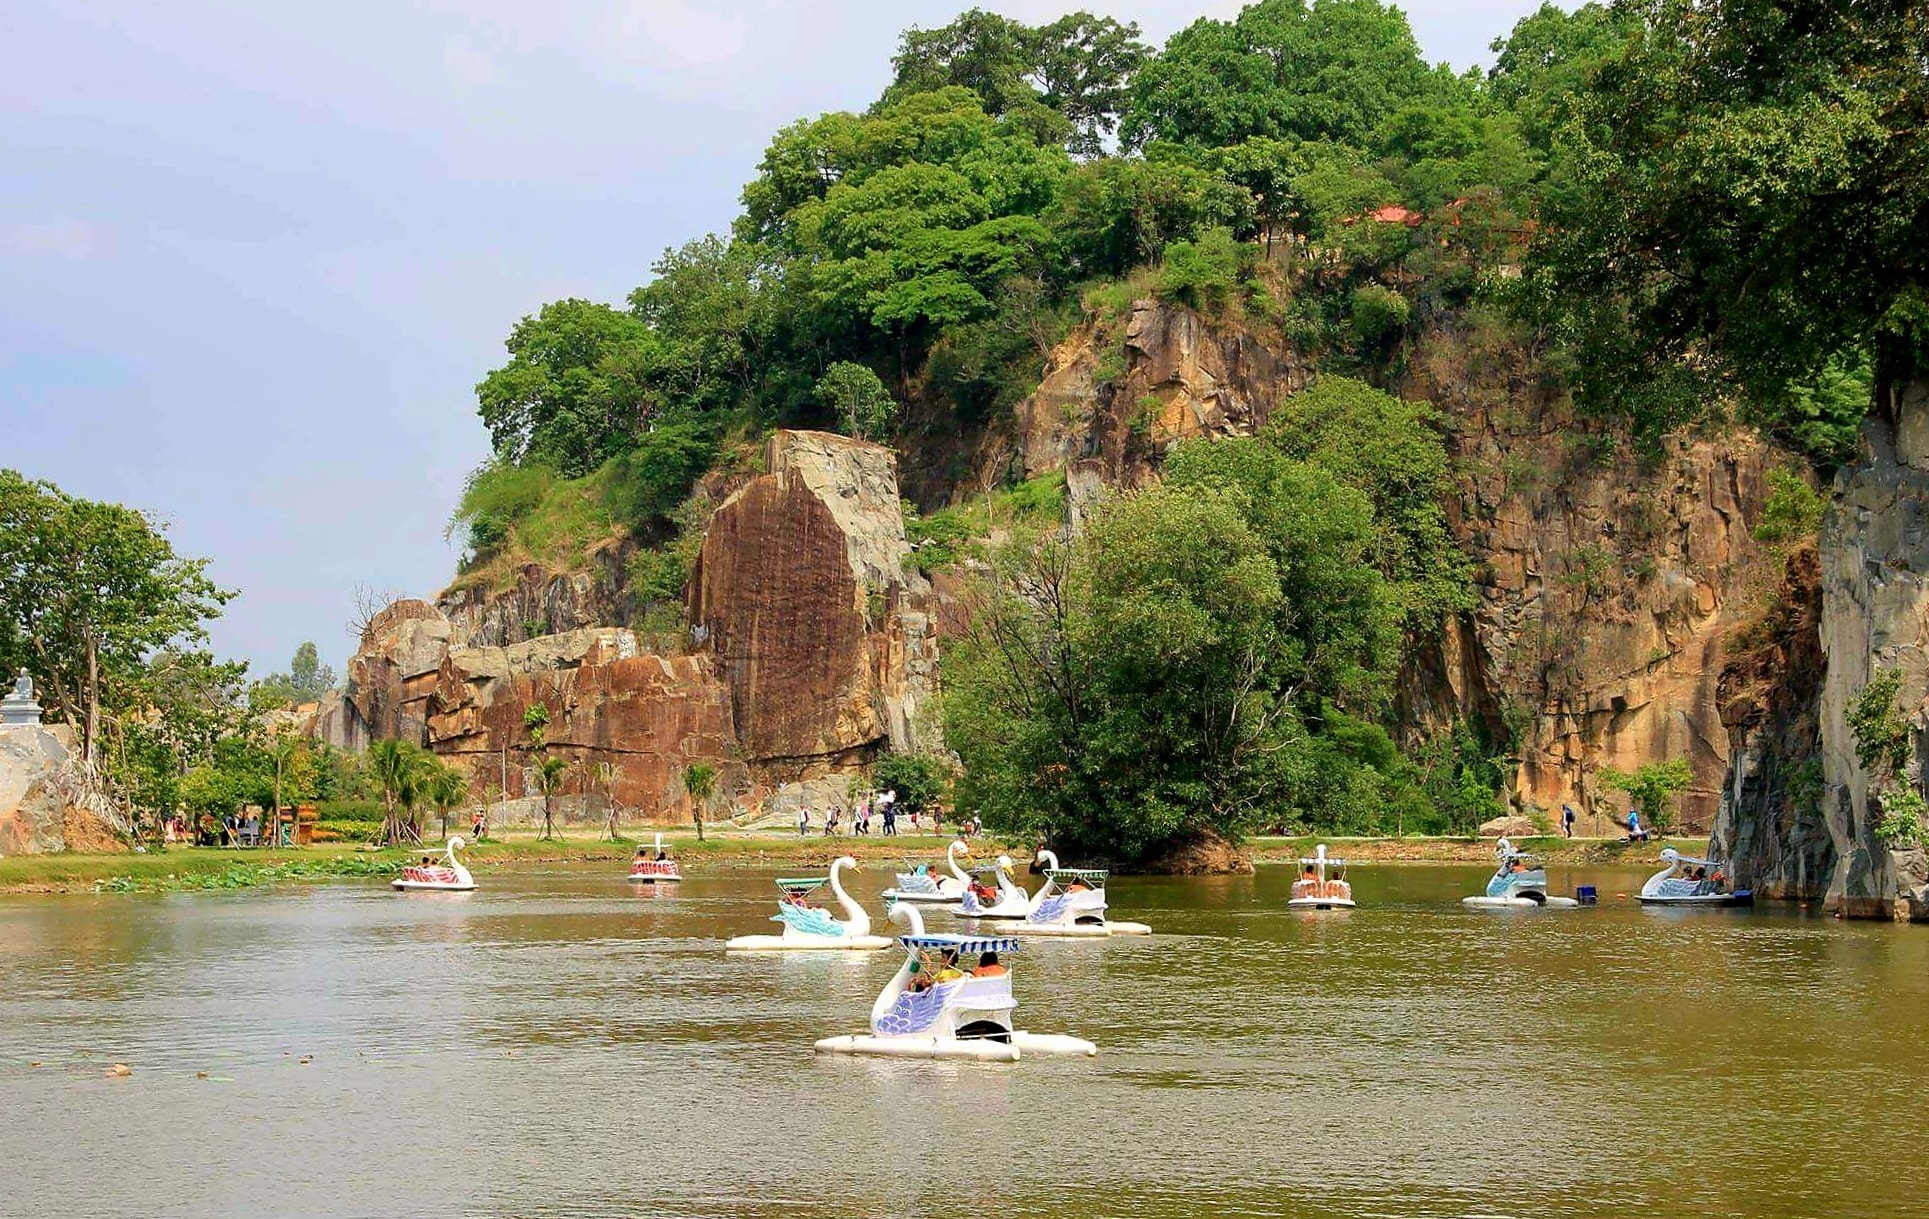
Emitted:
pixel 1119 213
pixel 307 680
pixel 551 773
pixel 447 789
pixel 401 770
pixel 1652 787
pixel 700 781
pixel 921 780
pixel 88 591
pixel 852 392
pixel 574 392
pixel 1746 205
pixel 1332 69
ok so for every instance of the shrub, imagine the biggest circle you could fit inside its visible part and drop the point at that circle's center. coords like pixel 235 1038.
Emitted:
pixel 920 779
pixel 349 810
pixel 1206 273
pixel 1378 313
pixel 1793 510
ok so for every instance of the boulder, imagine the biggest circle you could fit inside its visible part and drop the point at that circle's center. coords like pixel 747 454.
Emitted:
pixel 38 811
pixel 1509 827
pixel 1206 855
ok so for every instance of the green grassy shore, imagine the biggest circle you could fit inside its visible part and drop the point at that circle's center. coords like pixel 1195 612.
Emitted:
pixel 202 868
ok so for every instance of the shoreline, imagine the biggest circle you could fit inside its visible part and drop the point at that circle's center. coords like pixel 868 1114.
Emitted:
pixel 204 869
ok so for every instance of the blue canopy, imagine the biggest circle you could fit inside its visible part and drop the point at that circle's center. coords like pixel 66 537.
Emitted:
pixel 960 943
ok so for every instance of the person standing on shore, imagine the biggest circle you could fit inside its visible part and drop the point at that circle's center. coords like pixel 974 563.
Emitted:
pixel 803 820
pixel 1567 819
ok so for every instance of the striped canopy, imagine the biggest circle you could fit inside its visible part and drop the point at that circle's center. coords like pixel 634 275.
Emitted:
pixel 1085 874
pixel 801 884
pixel 960 943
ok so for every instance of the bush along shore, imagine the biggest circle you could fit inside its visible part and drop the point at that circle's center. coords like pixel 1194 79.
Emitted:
pixel 198 869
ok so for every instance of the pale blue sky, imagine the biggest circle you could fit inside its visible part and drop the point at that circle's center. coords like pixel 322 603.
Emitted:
pixel 254 256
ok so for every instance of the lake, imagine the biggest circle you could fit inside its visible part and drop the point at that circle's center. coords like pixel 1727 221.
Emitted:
pixel 558 1045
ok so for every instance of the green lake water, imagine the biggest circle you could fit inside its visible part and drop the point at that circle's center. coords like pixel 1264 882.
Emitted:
pixel 558 1045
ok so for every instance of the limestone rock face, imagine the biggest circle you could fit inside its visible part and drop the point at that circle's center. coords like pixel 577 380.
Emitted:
pixel 41 808
pixel 813 648
pixel 1608 579
pixel 822 637
pixel 1115 397
pixel 540 602
pixel 1875 615
pixel 1771 829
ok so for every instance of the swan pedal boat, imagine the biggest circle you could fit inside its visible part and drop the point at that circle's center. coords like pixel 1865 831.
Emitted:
pixel 1327 889
pixel 810 928
pixel 447 877
pixel 921 885
pixel 1525 889
pixel 967 1017
pixel 1009 898
pixel 1674 885
pixel 661 870
pixel 1072 904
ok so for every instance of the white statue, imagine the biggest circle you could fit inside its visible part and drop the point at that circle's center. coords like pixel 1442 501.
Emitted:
pixel 23 687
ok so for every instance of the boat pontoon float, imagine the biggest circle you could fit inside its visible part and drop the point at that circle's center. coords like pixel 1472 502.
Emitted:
pixel 938 1005
pixel 921 884
pixel 446 877
pixel 992 893
pixel 1688 881
pixel 1322 884
pixel 1517 884
pixel 809 928
pixel 661 870
pixel 1072 903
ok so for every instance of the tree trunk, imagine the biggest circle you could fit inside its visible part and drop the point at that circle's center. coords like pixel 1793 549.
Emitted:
pixel 92 724
pixel 549 815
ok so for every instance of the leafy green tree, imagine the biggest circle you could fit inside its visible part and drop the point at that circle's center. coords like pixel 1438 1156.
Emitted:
pixel 551 774
pixel 1332 69
pixel 88 592
pixel 1075 68
pixel 446 788
pixel 1542 66
pixel 1391 450
pixel 575 391
pixel 307 679
pixel 921 780
pixel 855 395
pixel 700 781
pixel 1120 212
pixel 1652 786
pixel 402 771
pixel 1746 204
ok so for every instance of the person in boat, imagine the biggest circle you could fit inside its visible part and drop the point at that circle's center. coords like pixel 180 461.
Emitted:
pixel 948 967
pixel 662 855
pixel 1515 865
pixel 988 967
pixel 642 854
pixel 1078 886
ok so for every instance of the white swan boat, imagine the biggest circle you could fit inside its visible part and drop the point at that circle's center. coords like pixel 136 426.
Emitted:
pixel 446 877
pixel 920 884
pixel 1322 884
pixel 809 928
pixel 962 1013
pixel 992 893
pixel 1072 903
pixel 661 870
pixel 1688 881
pixel 1517 885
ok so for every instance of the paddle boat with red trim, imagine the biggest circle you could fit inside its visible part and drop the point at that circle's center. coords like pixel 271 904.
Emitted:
pixel 661 870
pixel 448 876
pixel 1322 884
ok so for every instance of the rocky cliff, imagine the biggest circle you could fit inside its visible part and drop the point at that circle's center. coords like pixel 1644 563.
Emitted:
pixel 809 647
pixel 44 805
pixel 1872 610
pixel 1608 578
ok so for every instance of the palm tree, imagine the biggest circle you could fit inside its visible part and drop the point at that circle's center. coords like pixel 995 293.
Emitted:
pixel 700 780
pixel 448 788
pixel 550 773
pixel 398 767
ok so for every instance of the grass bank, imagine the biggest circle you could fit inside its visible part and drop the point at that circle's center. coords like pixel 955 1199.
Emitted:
pixel 187 869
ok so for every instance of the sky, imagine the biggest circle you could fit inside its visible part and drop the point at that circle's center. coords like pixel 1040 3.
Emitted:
pixel 254 257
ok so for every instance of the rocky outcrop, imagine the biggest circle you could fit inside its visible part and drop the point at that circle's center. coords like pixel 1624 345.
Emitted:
pixel 822 637
pixel 43 807
pixel 811 648
pixel 1116 394
pixel 1771 828
pixel 1875 616
pixel 1608 578
pixel 540 602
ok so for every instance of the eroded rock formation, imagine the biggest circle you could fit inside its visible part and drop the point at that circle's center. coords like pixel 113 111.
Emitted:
pixel 1607 578
pixel 810 647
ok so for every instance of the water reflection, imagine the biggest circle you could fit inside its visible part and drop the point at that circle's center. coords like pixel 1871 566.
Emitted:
pixel 563 1044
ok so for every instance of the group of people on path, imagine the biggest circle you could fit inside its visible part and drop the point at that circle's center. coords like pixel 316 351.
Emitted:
pixel 882 806
pixel 1636 831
